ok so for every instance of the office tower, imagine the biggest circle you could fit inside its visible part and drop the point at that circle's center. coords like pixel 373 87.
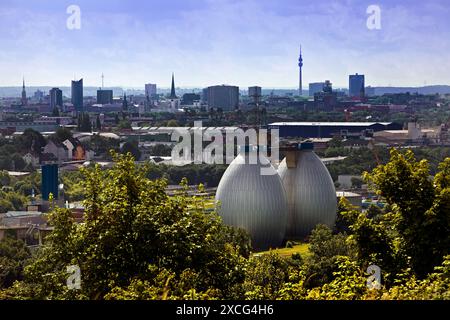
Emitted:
pixel 56 99
pixel 255 94
pixel 225 97
pixel 356 85
pixel 77 95
pixel 300 65
pixel 150 90
pixel 315 87
pixel 24 99
pixel 104 96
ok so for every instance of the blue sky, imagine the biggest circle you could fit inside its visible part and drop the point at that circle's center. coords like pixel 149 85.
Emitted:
pixel 207 42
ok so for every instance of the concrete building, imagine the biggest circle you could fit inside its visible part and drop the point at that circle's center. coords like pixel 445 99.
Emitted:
pixel 346 180
pixel 331 129
pixel 189 99
pixel 326 99
pixel 150 90
pixel 223 96
pixel 255 94
pixel 104 96
pixel 56 99
pixel 315 87
pixel 356 85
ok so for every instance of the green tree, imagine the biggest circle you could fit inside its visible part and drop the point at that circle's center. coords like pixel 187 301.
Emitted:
pixel 325 249
pixel 266 275
pixel 30 140
pixel 420 217
pixel 84 123
pixel 98 123
pixel 124 124
pixel 135 236
pixel 62 134
pixel 133 148
pixel 13 257
pixel 5 179
pixel 172 123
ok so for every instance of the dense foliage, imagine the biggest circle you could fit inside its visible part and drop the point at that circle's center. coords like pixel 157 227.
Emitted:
pixel 139 243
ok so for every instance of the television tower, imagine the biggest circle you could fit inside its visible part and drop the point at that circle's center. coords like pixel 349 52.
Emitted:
pixel 300 65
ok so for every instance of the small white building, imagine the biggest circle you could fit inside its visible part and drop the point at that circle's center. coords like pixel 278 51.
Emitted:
pixel 59 150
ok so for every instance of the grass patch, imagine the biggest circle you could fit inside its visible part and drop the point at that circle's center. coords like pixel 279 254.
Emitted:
pixel 302 249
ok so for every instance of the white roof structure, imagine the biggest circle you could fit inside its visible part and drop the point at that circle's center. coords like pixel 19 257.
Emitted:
pixel 329 124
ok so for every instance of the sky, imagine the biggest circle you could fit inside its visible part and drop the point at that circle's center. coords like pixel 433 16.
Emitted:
pixel 210 42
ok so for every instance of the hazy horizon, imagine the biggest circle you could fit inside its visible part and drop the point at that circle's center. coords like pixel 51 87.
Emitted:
pixel 208 42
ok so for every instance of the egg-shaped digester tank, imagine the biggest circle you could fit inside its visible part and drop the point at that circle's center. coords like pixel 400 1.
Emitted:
pixel 310 191
pixel 251 196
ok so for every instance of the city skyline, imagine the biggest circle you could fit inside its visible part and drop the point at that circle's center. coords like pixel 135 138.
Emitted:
pixel 206 43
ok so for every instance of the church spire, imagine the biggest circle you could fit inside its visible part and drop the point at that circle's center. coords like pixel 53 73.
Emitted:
pixel 125 102
pixel 24 94
pixel 172 89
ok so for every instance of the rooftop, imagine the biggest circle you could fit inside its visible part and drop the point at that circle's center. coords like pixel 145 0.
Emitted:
pixel 15 214
pixel 329 124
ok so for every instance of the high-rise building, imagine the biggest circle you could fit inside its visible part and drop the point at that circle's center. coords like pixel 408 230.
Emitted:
pixel 255 94
pixel 356 85
pixel 24 99
pixel 300 65
pixel 104 96
pixel 56 99
pixel 150 90
pixel 315 87
pixel 77 94
pixel 225 97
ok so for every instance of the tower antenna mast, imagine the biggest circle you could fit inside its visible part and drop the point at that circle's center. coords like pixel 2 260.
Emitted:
pixel 300 65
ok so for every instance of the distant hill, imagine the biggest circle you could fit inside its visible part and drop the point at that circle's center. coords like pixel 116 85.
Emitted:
pixel 440 89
